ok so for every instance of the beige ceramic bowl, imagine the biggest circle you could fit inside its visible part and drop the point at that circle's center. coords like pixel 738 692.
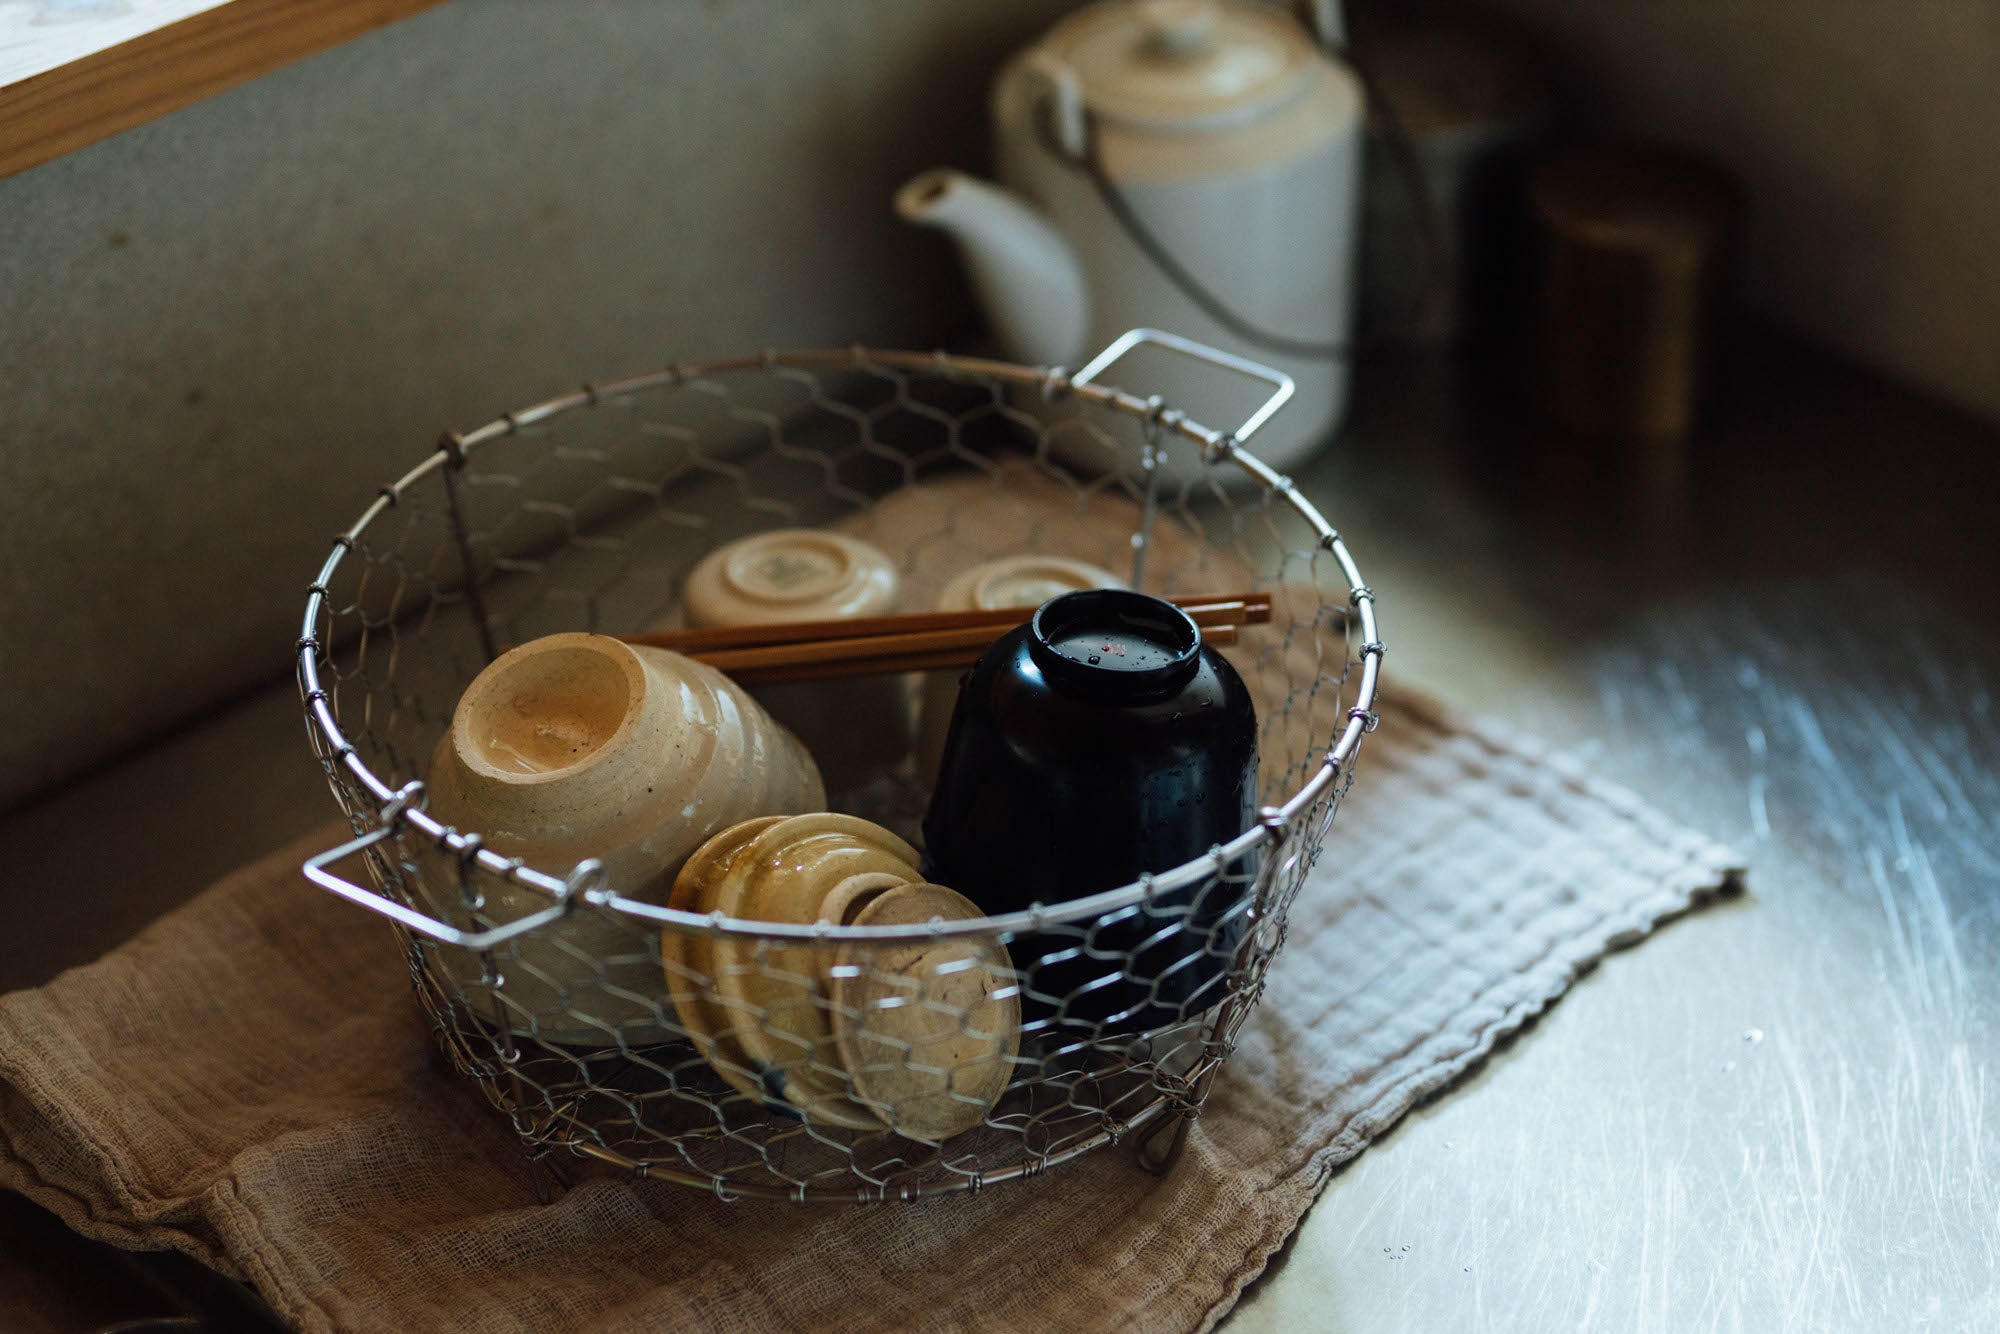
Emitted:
pixel 1012 581
pixel 578 746
pixel 790 574
pixel 855 728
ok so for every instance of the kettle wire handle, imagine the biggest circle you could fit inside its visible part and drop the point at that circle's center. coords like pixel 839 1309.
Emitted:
pixel 1281 384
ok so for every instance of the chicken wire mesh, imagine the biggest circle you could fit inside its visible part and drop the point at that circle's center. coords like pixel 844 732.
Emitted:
pixel 897 1044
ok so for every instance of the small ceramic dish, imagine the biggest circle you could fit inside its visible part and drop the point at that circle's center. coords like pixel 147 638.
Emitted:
pixel 927 1032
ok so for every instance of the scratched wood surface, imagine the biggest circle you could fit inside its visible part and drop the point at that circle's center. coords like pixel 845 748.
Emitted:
pixel 1772 1115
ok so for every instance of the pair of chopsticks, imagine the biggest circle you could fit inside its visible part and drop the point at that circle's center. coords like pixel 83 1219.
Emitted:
pixel 926 641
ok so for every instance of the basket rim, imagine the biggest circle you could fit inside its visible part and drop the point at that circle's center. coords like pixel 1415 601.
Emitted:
pixel 400 806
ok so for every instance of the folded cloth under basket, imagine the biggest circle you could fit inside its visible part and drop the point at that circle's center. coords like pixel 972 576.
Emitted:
pixel 250 1082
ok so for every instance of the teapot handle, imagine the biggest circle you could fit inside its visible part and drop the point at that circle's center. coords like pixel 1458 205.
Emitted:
pixel 1072 130
pixel 1281 383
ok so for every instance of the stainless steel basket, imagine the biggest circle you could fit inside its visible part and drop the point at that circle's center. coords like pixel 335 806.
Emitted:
pixel 586 512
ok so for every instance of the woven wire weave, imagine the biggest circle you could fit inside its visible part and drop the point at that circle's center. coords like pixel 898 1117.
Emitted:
pixel 585 513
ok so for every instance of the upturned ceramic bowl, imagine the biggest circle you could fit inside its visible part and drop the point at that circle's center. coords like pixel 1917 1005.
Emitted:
pixel 579 745
pixel 856 728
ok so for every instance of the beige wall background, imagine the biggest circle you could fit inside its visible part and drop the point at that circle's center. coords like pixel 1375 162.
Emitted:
pixel 1868 134
pixel 220 332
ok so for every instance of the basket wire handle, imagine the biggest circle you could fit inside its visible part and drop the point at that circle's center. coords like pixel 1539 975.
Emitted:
pixel 389 822
pixel 1281 384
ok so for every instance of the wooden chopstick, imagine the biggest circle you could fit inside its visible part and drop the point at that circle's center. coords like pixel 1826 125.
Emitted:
pixel 863 647
pixel 1256 611
pixel 780 672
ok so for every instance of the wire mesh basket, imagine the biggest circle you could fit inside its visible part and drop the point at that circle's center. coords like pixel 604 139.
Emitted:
pixel 824 1059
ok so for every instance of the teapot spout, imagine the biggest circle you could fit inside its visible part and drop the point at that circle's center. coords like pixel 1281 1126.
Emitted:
pixel 1027 278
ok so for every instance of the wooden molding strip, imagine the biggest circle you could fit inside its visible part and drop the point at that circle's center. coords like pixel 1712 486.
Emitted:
pixel 60 110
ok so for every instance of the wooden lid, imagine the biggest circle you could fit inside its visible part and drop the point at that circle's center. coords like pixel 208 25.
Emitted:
pixel 1636 199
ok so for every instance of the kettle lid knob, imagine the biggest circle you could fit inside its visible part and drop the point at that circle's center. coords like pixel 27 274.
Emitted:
pixel 1180 65
pixel 1179 29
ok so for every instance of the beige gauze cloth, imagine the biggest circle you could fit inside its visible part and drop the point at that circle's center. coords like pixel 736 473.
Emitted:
pixel 250 1082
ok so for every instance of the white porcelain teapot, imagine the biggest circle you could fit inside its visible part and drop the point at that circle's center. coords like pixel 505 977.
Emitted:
pixel 1184 164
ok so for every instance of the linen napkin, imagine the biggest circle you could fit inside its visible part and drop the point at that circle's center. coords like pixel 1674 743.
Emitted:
pixel 249 1081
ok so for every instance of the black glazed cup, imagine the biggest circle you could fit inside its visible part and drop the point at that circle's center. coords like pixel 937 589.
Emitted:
pixel 1099 742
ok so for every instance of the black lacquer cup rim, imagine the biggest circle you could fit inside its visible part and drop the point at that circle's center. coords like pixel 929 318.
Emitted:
pixel 1065 613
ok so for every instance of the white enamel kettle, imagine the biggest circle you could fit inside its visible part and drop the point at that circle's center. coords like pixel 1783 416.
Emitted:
pixel 1184 164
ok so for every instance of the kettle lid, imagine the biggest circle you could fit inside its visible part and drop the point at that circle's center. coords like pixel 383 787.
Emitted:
pixel 1183 64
